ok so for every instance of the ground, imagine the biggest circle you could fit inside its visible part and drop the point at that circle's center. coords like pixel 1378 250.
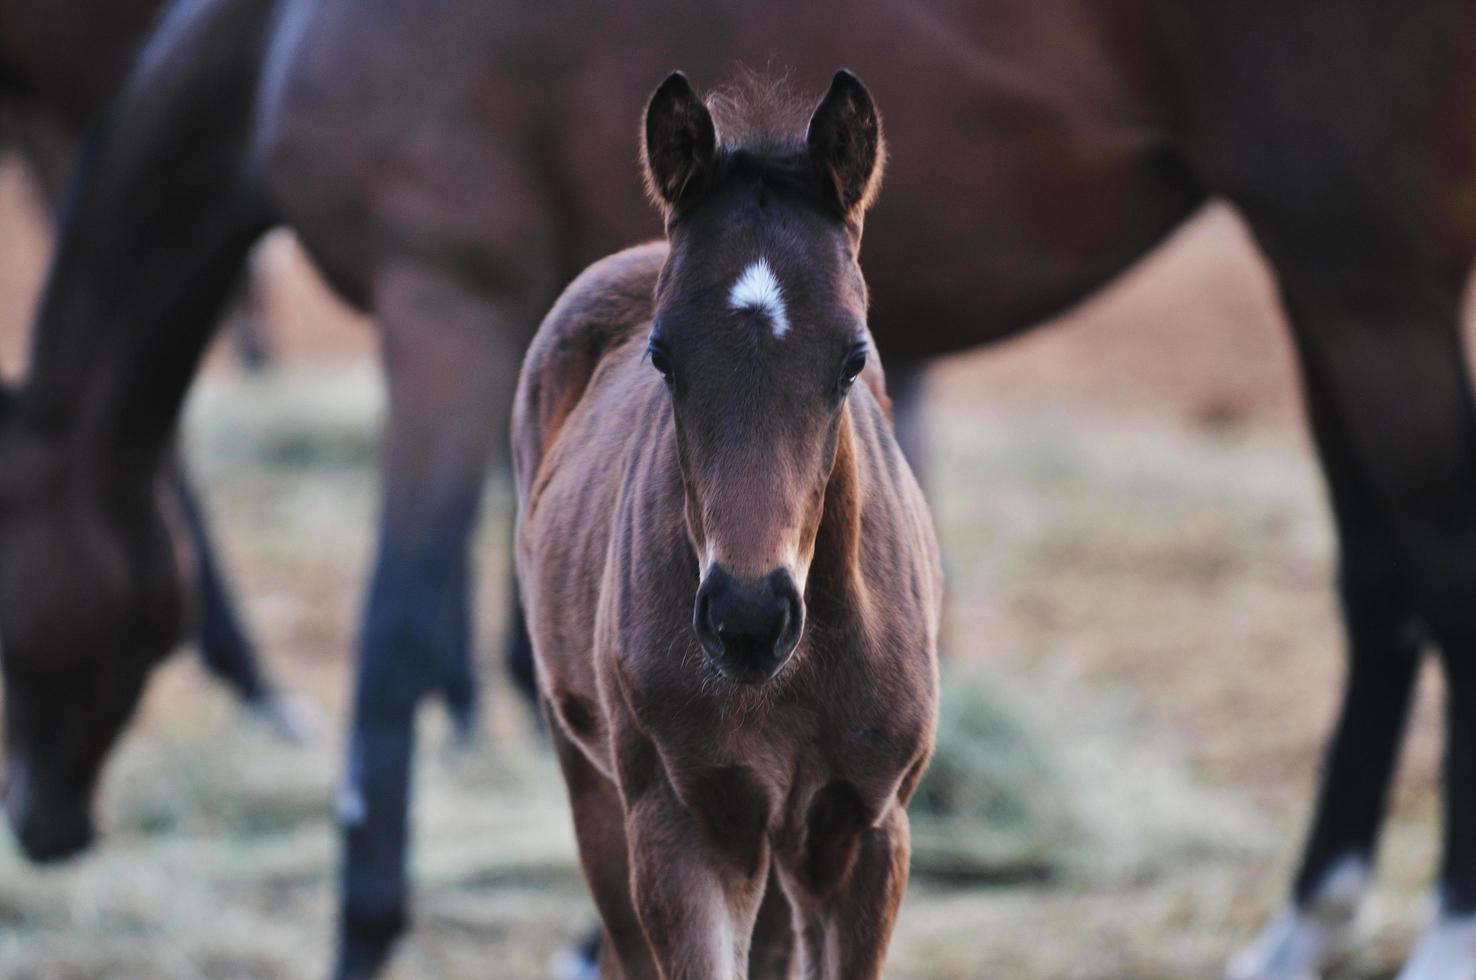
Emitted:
pixel 1140 605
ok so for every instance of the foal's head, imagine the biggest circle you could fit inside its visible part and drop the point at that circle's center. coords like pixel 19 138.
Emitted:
pixel 759 332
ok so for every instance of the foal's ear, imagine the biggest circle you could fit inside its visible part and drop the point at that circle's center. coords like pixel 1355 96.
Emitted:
pixel 680 141
pixel 845 143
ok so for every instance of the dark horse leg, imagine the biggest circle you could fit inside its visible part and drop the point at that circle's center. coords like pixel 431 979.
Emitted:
pixel 450 366
pixel 1390 406
pixel 225 647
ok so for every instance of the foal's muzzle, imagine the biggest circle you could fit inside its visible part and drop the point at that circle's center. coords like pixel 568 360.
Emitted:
pixel 748 627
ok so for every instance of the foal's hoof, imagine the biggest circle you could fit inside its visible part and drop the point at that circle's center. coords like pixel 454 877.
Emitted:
pixel 293 718
pixel 1447 951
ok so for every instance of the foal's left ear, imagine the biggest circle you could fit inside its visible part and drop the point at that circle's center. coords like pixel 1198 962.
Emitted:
pixel 845 143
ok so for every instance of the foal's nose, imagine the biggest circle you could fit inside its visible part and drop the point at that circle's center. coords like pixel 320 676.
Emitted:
pixel 748 626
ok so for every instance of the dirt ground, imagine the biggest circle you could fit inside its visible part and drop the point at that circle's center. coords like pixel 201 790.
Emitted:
pixel 1138 558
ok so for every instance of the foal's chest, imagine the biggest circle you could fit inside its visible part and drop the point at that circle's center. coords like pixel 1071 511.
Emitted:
pixel 770 768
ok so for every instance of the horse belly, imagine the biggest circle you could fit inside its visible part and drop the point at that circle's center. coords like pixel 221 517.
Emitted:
pixel 1332 182
pixel 379 146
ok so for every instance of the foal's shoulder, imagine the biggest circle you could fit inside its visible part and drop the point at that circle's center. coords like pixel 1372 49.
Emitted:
pixel 607 304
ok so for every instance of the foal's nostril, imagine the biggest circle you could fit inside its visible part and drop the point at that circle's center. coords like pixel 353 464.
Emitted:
pixel 707 630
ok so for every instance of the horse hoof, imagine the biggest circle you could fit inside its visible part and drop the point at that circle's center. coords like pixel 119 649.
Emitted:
pixel 1447 951
pixel 1301 938
pixel 365 945
pixel 466 730
pixel 1293 946
pixel 293 718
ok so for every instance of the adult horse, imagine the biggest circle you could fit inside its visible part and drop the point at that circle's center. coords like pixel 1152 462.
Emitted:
pixel 448 164
pixel 60 63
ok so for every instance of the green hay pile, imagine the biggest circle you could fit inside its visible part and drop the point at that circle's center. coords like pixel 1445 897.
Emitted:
pixel 992 805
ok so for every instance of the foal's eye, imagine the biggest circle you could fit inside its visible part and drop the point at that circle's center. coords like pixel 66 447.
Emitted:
pixel 855 364
pixel 660 360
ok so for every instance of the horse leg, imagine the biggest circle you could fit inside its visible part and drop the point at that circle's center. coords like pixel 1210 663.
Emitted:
pixel 224 648
pixel 247 321
pixel 1384 641
pixel 699 863
pixel 771 957
pixel 450 369
pixel 846 885
pixel 1448 949
pixel 1391 407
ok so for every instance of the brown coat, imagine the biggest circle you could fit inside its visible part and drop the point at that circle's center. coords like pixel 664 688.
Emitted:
pixel 834 747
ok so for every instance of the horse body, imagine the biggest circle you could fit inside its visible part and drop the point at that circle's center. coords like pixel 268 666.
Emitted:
pixel 495 167
pixel 449 166
pixel 72 55
pixel 718 768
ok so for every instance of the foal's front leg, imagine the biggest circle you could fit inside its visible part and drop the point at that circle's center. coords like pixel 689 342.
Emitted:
pixel 698 876
pixel 846 886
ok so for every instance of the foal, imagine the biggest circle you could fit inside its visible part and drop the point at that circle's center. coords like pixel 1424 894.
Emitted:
pixel 729 572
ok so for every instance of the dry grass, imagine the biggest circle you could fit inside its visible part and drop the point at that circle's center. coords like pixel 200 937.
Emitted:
pixel 1142 644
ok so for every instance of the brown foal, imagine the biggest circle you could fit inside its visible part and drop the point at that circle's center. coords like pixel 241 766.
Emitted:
pixel 729 572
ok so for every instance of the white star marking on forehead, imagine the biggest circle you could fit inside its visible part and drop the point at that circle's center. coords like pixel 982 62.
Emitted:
pixel 757 289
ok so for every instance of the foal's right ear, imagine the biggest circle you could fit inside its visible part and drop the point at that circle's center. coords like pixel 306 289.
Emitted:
pixel 680 141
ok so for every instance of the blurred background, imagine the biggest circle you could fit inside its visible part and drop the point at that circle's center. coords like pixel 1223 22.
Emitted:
pixel 1142 658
